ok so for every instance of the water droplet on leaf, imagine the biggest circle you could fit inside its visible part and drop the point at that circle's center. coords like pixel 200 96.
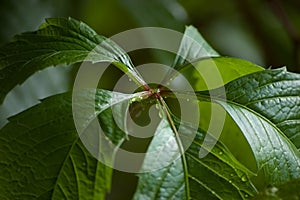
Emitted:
pixel 160 113
pixel 244 178
pixel 157 106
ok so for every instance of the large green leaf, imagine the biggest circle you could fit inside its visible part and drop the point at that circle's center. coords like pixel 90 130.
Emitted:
pixel 254 102
pixel 43 157
pixel 192 177
pixel 216 176
pixel 210 73
pixel 58 41
pixel 275 94
pixel 265 105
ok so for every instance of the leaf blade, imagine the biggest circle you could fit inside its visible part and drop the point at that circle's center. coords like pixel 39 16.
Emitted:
pixel 205 175
pixel 252 101
pixel 45 157
pixel 189 48
pixel 59 41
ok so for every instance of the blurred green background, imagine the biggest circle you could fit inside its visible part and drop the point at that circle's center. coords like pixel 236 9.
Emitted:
pixel 266 32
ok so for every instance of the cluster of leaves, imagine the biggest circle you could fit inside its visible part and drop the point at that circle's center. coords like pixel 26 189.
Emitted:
pixel 42 156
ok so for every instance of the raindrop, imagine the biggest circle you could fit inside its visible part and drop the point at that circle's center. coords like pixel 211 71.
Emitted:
pixel 140 98
pixel 157 106
pixel 244 178
pixel 246 195
pixel 130 80
pixel 133 100
pixel 272 190
pixel 221 153
pixel 231 175
pixel 160 113
pixel 187 99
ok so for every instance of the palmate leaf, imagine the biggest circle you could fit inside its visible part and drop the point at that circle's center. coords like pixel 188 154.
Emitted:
pixel 41 155
pixel 266 107
pixel 217 176
pixel 58 41
pixel 247 103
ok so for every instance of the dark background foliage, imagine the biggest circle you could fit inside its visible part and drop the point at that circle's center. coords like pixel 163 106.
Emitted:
pixel 266 32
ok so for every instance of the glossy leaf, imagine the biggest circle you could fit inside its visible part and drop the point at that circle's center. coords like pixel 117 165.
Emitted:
pixel 193 47
pixel 210 73
pixel 43 157
pixel 265 105
pixel 216 176
pixel 57 41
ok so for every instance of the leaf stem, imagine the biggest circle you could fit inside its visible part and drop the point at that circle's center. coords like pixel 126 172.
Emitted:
pixel 178 141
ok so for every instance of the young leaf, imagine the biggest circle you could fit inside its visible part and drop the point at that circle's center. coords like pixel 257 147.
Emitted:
pixel 265 105
pixel 189 48
pixel 216 176
pixel 43 157
pixel 57 41
pixel 192 47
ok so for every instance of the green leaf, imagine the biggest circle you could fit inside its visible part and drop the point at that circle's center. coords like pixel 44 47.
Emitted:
pixel 57 41
pixel 193 47
pixel 210 73
pixel 265 105
pixel 43 157
pixel 216 176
